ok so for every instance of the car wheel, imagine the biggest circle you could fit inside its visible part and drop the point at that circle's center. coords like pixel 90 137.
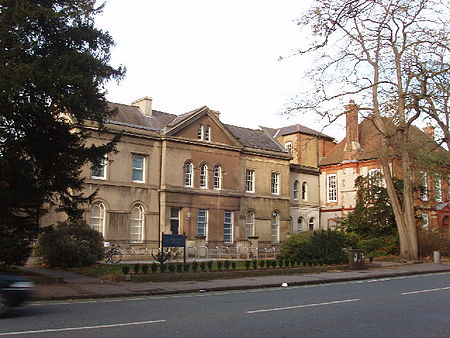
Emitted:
pixel 3 304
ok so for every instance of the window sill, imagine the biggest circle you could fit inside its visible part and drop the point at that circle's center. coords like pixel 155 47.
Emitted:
pixel 98 178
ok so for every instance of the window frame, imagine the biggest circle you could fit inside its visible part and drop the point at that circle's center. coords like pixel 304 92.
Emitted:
pixel 137 169
pixel 300 223
pixel 424 183
pixel 304 191
pixel 175 219
pixel 207 134
pixel 289 146
pixel 102 217
pixel 188 177
pixel 228 226
pixel 275 183
pixel 250 226
pixel 217 177
pixel 331 192
pixel 204 224
pixel 438 197
pixel 295 190
pixel 100 166
pixel 275 228
pixel 200 132
pixel 203 176
pixel 311 224
pixel 250 180
pixel 140 221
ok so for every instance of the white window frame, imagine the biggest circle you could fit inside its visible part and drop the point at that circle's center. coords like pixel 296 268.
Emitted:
pixel 425 221
pixel 203 176
pixel 228 225
pixel 201 132
pixel 250 180
pixel 288 147
pixel 331 190
pixel 137 224
pixel 275 183
pixel 188 174
pixel 175 218
pixel 250 224
pixel 275 227
pixel 304 191
pixel 102 167
pixel 204 224
pixel 217 179
pixel 437 189
pixel 138 169
pixel 295 190
pixel 300 223
pixel 375 176
pixel 97 222
pixel 424 184
pixel 208 134
pixel 311 223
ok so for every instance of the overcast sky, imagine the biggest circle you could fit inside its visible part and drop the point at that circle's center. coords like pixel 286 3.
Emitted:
pixel 222 54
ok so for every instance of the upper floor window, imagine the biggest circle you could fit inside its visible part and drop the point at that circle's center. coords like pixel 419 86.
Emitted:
pixel 208 134
pixel 203 176
pixel 311 223
pixel 204 133
pixel 250 224
pixel 425 220
pixel 137 223
pixel 200 132
pixel 275 183
pixel 304 191
pixel 188 174
pixel 249 180
pixel 228 226
pixel 99 169
pixel 202 222
pixel 375 177
pixel 217 184
pixel 97 217
pixel 296 190
pixel 331 188
pixel 438 189
pixel 275 227
pixel 424 186
pixel 288 147
pixel 138 165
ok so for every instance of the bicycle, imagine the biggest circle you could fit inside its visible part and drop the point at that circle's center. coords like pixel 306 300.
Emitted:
pixel 113 255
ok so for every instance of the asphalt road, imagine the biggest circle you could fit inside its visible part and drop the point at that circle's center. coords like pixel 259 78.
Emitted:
pixel 412 306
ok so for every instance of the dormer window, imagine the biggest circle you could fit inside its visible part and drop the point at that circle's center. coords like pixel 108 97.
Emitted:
pixel 288 147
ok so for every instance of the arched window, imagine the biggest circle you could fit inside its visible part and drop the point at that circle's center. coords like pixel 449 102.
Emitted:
pixel 188 174
pixel 275 227
pixel 304 191
pixel 137 223
pixel 97 217
pixel 203 176
pixel 217 177
pixel 311 223
pixel 296 190
pixel 250 224
pixel 300 224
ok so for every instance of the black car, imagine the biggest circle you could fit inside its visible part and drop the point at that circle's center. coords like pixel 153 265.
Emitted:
pixel 14 291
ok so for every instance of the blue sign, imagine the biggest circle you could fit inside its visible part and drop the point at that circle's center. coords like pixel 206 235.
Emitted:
pixel 176 241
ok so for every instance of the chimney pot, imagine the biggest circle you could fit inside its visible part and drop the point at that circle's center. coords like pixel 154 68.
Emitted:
pixel 145 104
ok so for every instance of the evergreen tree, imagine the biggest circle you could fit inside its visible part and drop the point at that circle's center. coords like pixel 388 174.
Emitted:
pixel 54 65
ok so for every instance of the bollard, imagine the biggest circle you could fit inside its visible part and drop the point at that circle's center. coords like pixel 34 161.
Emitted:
pixel 437 257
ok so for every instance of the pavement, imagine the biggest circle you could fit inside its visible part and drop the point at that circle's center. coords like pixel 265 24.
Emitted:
pixel 69 285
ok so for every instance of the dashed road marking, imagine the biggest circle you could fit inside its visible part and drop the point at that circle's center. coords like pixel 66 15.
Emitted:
pixel 424 291
pixel 305 305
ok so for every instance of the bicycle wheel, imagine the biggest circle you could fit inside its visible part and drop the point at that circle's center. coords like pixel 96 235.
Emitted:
pixel 116 257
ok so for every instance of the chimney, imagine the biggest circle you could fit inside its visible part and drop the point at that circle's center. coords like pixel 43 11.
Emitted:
pixel 217 113
pixel 429 131
pixel 352 133
pixel 145 104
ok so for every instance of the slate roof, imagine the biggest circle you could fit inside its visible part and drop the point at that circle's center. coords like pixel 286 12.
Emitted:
pixel 133 116
pixel 295 128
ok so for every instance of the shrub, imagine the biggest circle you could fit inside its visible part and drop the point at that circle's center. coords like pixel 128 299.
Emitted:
pixel 381 246
pixel 154 267
pixel 273 263
pixel 70 244
pixel 280 263
pixel 262 263
pixel 432 240
pixel 287 262
pixel 136 268
pixel 255 264
pixel 233 265
pixel 194 266
pixel 203 266
pixel 290 248
pixel 171 267
pixel 226 264
pixel 179 267
pixel 163 267
pixel 186 267
pixel 293 263
pixel 268 263
pixel 145 268
pixel 247 264
pixel 125 269
pixel 219 265
pixel 210 265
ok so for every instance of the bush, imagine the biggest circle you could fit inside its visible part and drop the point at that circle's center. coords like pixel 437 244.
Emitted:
pixel 280 263
pixel 179 267
pixel 273 263
pixel 194 266
pixel 136 268
pixel 247 264
pixel 290 248
pixel 163 267
pixel 210 265
pixel 262 263
pixel 219 265
pixel 381 246
pixel 268 263
pixel 70 244
pixel 203 266
pixel 186 267
pixel 255 264
pixel 233 265
pixel 125 269
pixel 154 267
pixel 171 267
pixel 431 240
pixel 145 268
pixel 226 264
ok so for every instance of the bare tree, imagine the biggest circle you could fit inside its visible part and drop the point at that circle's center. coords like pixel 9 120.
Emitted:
pixel 383 53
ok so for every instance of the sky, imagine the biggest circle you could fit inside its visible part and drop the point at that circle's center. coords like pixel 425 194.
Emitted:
pixel 222 54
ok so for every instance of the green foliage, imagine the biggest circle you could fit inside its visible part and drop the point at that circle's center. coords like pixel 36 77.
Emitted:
pixel 380 246
pixel 163 267
pixel 280 263
pixel 262 263
pixel 210 265
pixel 125 269
pixel 203 266
pixel 219 265
pixel 70 244
pixel 247 264
pixel 145 268
pixel 273 263
pixel 171 267
pixel 255 264
pixel 226 264
pixel 136 268
pixel 233 265
pixel 373 215
pixel 154 267
pixel 194 266
pixel 179 267
pixel 268 263
pixel 54 62
pixel 319 244
pixel 186 267
pixel 431 240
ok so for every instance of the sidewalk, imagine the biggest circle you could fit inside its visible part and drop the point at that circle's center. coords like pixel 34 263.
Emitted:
pixel 69 285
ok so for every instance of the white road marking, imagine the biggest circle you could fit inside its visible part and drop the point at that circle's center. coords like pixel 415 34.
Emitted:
pixel 305 305
pixel 424 291
pixel 80 328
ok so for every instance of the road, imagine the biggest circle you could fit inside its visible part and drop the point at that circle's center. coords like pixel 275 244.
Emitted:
pixel 412 306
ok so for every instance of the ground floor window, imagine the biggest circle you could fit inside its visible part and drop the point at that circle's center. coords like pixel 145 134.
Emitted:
pixel 97 217
pixel 202 222
pixel 137 223
pixel 228 226
pixel 275 227
pixel 175 221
